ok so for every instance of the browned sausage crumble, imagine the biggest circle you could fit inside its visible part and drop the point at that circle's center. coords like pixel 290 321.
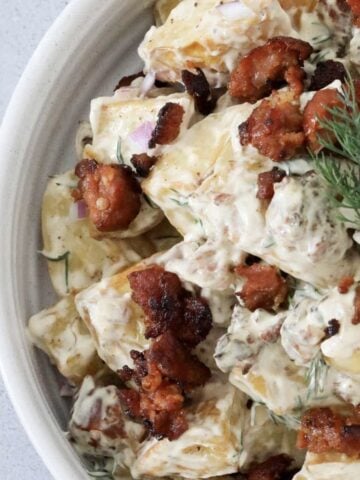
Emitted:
pixel 315 111
pixel 127 80
pixel 274 468
pixel 168 371
pixel 266 183
pixel 325 73
pixel 268 66
pixel 111 193
pixel 345 284
pixel 332 329
pixel 264 287
pixel 198 87
pixel 275 127
pixel 143 163
pixel 356 317
pixel 164 374
pixel 355 9
pixel 168 306
pixel 168 125
pixel 324 430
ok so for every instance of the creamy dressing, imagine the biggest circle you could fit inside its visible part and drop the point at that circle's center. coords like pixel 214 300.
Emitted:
pixel 303 331
pixel 208 265
pixel 331 466
pixel 102 406
pixel 247 334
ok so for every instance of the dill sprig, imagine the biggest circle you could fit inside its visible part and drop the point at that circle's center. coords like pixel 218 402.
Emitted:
pixel 316 376
pixel 61 258
pixel 290 421
pixel 119 156
pixel 339 161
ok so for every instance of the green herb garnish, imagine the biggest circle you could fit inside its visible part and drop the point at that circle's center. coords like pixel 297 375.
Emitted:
pixel 64 257
pixel 339 163
pixel 316 376
pixel 119 156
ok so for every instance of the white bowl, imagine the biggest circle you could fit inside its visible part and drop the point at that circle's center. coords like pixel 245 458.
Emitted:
pixel 91 45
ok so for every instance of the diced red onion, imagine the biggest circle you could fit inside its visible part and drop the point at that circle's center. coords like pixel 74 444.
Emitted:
pixel 148 83
pixel 78 210
pixel 142 135
pixel 235 10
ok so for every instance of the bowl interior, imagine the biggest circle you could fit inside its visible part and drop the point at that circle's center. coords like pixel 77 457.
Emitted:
pixel 84 54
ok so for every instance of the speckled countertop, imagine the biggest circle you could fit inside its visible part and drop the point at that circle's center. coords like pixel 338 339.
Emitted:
pixel 22 24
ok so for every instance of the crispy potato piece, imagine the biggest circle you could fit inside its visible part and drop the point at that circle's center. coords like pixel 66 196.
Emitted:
pixel 114 320
pixel 62 335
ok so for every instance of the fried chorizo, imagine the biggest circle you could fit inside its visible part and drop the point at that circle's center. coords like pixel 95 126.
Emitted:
pixel 197 86
pixel 274 468
pixel 356 318
pixel 345 283
pixel 323 430
pixel 175 362
pixel 316 111
pixel 168 124
pixel 143 163
pixel 266 67
pixel 163 372
pixel 275 128
pixel 264 287
pixel 168 306
pixel 127 80
pixel 325 73
pixel 266 183
pixel 355 9
pixel 111 193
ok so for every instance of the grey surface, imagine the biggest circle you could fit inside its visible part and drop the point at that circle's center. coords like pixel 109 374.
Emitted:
pixel 22 25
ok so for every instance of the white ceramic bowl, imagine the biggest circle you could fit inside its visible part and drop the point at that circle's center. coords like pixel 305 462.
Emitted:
pixel 90 46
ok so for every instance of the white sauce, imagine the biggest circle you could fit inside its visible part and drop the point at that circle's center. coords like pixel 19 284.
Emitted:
pixel 110 317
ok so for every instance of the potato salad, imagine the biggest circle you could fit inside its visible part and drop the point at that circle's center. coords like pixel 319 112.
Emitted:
pixel 205 251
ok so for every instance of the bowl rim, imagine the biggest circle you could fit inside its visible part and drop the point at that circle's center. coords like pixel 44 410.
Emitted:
pixel 18 375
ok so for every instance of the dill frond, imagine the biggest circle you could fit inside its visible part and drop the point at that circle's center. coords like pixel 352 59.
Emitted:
pixel 316 376
pixel 339 161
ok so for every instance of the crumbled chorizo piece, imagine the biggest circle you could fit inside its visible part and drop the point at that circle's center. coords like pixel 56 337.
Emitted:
pixel 130 400
pixel 160 294
pixel 168 306
pixel 143 163
pixel 345 284
pixel 274 468
pixel 198 87
pixel 355 9
pixel 323 430
pixel 111 192
pixel 197 321
pixel 356 317
pixel 332 329
pixel 265 67
pixel 275 128
pixel 127 80
pixel 264 287
pixel 315 111
pixel 168 124
pixel 175 362
pixel 266 183
pixel 325 73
